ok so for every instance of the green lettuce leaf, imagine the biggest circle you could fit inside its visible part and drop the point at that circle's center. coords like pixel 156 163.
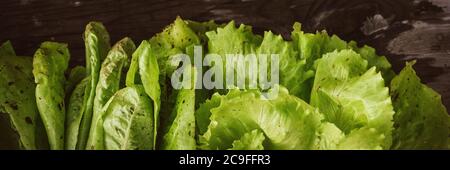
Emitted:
pixel 75 111
pixel 49 64
pixel 96 40
pixel 179 132
pixel 421 120
pixel 175 39
pixel 18 102
pixel 76 74
pixel 149 74
pixel 287 122
pixel 365 138
pixel 6 49
pixel 293 73
pixel 351 97
pixel 313 46
pixel 108 84
pixel 250 141
pixel 329 136
pixel 128 120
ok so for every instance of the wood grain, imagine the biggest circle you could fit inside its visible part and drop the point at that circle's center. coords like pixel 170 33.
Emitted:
pixel 29 22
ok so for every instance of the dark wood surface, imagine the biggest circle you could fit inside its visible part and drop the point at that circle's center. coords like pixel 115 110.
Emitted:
pixel 415 29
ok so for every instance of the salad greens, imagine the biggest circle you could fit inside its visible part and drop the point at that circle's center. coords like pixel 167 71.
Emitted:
pixel 421 119
pixel 49 64
pixel 331 95
pixel 108 84
pixel 17 99
pixel 97 44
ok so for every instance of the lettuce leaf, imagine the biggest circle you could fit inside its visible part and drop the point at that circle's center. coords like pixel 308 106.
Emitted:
pixel 179 132
pixel 49 65
pixel 108 84
pixel 250 141
pixel 18 102
pixel 421 120
pixel 287 122
pixel 293 72
pixel 75 111
pixel 351 97
pixel 128 120
pixel 97 44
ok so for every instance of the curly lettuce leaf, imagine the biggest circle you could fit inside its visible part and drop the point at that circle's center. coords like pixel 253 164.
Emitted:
pixel 242 38
pixel 421 120
pixel 200 28
pixel 292 69
pixel 314 46
pixel 250 141
pixel 329 136
pixel 293 72
pixel 351 97
pixel 287 122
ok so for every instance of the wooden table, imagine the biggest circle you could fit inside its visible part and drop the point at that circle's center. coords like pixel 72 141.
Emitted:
pixel 418 30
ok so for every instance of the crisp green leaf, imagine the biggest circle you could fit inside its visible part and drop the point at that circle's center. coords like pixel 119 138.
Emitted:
pixel 365 138
pixel 149 74
pixel 75 112
pixel 49 64
pixel 18 101
pixel 250 141
pixel 293 73
pixel 329 137
pixel 287 122
pixel 179 133
pixel 108 84
pixel 96 40
pixel 128 120
pixel 421 120
pixel 351 97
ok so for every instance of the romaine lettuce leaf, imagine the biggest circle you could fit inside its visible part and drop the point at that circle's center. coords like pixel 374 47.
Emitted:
pixel 128 120
pixel 75 111
pixel 96 40
pixel 179 130
pixel 175 39
pixel 421 120
pixel 108 84
pixel 18 101
pixel 49 65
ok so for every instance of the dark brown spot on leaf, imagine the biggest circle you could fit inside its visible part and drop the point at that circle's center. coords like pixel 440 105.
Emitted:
pixel 13 105
pixel 28 120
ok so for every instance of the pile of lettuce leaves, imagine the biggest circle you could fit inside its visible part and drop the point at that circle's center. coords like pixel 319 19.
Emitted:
pixel 332 95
